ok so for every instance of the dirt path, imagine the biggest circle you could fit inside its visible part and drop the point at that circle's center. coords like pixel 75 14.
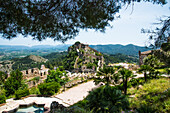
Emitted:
pixel 75 65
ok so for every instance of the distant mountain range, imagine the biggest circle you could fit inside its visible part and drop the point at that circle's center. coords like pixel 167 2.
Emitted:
pixel 41 47
pixel 129 49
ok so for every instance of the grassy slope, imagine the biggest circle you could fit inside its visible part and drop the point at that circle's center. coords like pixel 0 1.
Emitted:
pixel 153 96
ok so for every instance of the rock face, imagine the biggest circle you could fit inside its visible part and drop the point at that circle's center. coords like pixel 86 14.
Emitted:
pixel 85 58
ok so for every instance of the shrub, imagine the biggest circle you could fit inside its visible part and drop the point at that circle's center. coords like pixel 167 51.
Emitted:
pixel 21 93
pixel 89 65
pixel 36 78
pixel 145 109
pixel 49 88
pixel 81 104
pixel 167 71
pixel 107 99
pixel 2 98
pixel 136 81
pixel 34 90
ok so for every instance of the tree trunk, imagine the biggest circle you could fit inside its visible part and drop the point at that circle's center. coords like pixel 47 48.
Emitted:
pixel 155 75
pixel 145 76
pixel 125 86
pixel 64 87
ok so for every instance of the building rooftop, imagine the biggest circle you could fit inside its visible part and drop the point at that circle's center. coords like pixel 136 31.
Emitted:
pixel 146 52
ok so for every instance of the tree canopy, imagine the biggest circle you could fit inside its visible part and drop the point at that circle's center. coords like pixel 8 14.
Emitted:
pixel 159 35
pixel 58 19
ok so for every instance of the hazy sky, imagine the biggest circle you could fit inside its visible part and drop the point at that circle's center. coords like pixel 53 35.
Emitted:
pixel 126 30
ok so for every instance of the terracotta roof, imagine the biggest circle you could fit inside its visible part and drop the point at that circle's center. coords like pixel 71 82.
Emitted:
pixel 146 52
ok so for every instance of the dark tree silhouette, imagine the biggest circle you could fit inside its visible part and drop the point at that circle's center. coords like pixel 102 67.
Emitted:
pixel 159 35
pixel 57 19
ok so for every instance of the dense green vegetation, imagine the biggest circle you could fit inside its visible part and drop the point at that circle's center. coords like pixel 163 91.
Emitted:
pixel 163 56
pixel 165 46
pixel 13 83
pixel 70 60
pixel 2 98
pixel 54 81
pixel 49 88
pixel 149 68
pixel 3 76
pixel 116 58
pixel 2 95
pixel 21 93
pixel 58 76
pixel 34 90
pixel 55 55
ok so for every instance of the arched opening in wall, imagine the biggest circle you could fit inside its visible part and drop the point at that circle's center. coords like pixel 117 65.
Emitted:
pixel 26 71
pixel 41 74
pixel 44 73
pixel 32 70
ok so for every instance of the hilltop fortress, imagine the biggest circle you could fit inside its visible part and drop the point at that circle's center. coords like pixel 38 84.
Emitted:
pixel 86 59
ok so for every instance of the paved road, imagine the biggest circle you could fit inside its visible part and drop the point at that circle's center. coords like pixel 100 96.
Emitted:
pixel 76 93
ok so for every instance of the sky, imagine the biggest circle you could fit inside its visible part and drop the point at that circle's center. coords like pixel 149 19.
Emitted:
pixel 125 30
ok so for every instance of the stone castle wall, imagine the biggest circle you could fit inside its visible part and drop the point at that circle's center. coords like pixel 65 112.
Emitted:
pixel 35 72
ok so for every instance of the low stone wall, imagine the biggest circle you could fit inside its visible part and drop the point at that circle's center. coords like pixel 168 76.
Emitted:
pixel 46 109
pixel 37 102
